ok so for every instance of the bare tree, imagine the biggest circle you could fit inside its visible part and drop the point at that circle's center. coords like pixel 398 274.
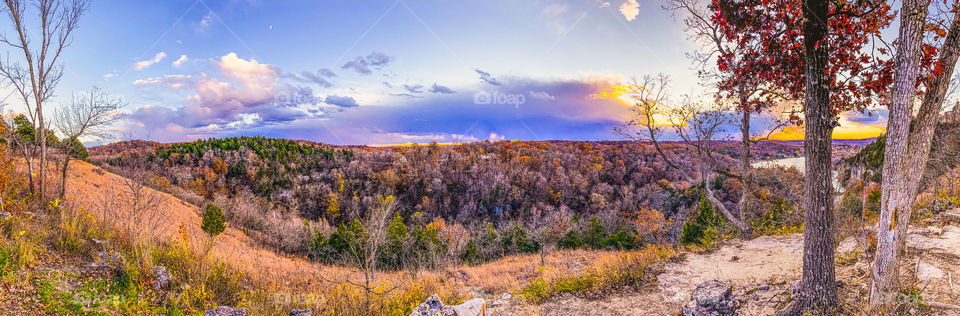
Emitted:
pixel 36 76
pixel 365 253
pixel 139 209
pixel 85 115
pixel 908 141
pixel 696 124
pixel 737 84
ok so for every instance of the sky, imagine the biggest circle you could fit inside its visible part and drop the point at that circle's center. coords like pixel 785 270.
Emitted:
pixel 382 71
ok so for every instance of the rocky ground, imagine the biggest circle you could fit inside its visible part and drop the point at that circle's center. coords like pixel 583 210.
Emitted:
pixel 757 277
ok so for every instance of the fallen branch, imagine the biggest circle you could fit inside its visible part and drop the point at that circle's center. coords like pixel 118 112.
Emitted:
pixel 943 305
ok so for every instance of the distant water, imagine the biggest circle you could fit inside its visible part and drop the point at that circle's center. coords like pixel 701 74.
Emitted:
pixel 796 162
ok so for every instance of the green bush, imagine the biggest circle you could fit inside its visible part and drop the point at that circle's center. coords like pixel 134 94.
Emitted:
pixel 622 240
pixel 570 240
pixel 596 234
pixel 702 230
pixel 872 207
pixel 213 221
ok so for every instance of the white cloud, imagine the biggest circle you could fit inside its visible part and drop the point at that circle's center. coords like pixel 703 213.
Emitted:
pixel 141 65
pixel 180 61
pixel 541 95
pixel 555 9
pixel 630 9
pixel 207 19
pixel 109 76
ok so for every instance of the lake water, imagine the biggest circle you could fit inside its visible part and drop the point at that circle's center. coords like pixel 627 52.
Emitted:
pixel 796 162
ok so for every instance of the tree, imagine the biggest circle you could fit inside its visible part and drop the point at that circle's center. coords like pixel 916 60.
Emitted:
pixel 908 140
pixel 725 59
pixel 214 222
pixel 36 81
pixel 818 287
pixel 366 251
pixel 820 52
pixel 696 124
pixel 86 115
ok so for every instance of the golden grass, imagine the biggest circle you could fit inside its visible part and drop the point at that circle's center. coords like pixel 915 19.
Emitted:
pixel 278 283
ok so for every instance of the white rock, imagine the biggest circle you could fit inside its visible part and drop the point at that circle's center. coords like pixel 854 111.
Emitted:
pixel 472 307
pixel 847 245
pixel 927 272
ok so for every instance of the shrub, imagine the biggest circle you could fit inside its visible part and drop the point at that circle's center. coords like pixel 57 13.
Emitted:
pixel 872 207
pixel 702 230
pixel 213 221
pixel 778 220
pixel 605 276
pixel 596 234
pixel 570 240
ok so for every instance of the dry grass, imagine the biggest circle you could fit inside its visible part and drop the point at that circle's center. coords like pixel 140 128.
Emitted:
pixel 278 283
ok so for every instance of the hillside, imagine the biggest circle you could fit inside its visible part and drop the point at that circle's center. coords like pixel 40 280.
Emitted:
pixel 760 271
pixel 497 198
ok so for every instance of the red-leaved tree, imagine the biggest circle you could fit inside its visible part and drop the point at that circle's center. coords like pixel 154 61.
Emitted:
pixel 820 53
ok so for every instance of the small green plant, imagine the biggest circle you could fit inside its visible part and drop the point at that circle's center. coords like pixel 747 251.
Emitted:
pixel 703 229
pixel 846 259
pixel 213 221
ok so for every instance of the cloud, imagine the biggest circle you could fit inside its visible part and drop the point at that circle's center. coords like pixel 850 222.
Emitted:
pixel 237 98
pixel 141 65
pixel 173 81
pixel 555 9
pixel 180 61
pixel 541 95
pixel 320 77
pixel 871 117
pixel 413 88
pixel 630 9
pixel 487 77
pixel 366 65
pixel 109 76
pixel 239 95
pixel 207 19
pixel 436 88
pixel 407 95
pixel 341 101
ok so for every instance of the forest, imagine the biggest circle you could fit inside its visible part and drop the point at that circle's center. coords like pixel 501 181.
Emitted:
pixel 471 202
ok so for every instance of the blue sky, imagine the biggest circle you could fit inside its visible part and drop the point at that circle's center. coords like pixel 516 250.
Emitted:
pixel 373 72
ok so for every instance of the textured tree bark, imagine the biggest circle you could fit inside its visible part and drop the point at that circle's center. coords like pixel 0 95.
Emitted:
pixel 818 288
pixel 746 171
pixel 907 151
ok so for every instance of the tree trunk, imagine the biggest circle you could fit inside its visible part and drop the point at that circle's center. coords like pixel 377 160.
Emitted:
pixel 43 151
pixel 63 175
pixel 818 288
pixel 907 152
pixel 746 171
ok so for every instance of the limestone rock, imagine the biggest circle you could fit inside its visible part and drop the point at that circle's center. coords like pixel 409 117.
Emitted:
pixel 712 298
pixel 433 306
pixel 847 245
pixel 503 300
pixel 472 307
pixel 927 272
pixel 162 278
pixel 226 311
pixel 301 312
